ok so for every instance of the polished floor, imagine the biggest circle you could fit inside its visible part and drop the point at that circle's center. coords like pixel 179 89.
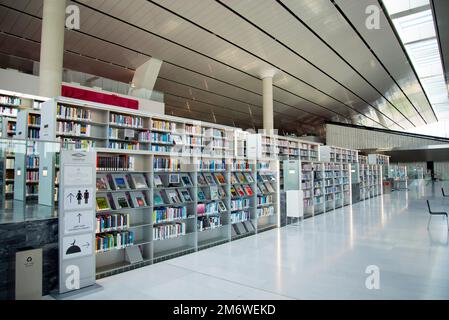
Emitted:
pixel 323 258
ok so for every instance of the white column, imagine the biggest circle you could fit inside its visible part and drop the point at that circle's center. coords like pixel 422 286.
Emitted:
pixel 52 48
pixel 268 118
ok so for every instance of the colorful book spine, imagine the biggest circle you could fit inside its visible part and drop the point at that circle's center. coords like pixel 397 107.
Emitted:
pixel 72 113
pixel 126 121
pixel 169 214
pixel 169 231
pixel 240 216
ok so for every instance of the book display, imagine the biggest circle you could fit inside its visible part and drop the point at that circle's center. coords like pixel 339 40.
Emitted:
pixel 168 186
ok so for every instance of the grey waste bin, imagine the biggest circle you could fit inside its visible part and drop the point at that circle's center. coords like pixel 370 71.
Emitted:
pixel 29 274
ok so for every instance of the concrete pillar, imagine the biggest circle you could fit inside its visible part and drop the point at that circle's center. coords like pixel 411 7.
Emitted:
pixel 268 118
pixel 52 48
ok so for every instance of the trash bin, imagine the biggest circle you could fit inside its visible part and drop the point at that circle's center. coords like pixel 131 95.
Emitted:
pixel 28 274
pixel 388 185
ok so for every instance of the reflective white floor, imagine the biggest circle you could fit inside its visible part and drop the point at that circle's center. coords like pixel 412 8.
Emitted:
pixel 323 258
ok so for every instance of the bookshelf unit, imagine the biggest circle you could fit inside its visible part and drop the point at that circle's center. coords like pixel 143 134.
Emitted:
pixel 268 210
pixel 319 205
pixel 307 188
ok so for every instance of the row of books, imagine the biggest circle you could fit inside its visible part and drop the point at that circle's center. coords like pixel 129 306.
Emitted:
pixel 162 137
pixel 240 216
pixel 194 141
pixel 73 128
pixel 169 231
pixel 265 211
pixel 32 189
pixel 163 125
pixel 112 222
pixel 212 165
pixel 34 119
pixel 204 209
pixel 261 200
pixel 211 179
pixel 264 188
pixel 241 191
pixel 32 175
pixel 161 148
pixel 33 133
pixel 206 223
pixel 73 113
pixel 10 100
pixel 69 144
pixel 242 178
pixel 122 134
pixel 32 162
pixel 169 214
pixel 8 111
pixel 105 182
pixel 193 129
pixel 240 204
pixel 171 197
pixel 115 240
pixel 125 145
pixel 169 164
pixel 144 136
pixel 172 180
pixel 242 165
pixel 9 188
pixel 120 200
pixel 129 121
pixel 115 163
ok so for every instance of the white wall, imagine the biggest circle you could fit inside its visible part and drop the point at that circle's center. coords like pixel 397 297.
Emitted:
pixel 19 82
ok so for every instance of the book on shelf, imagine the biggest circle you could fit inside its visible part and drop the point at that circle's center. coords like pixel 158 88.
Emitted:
pixel 221 206
pixel 234 192
pixel 249 177
pixel 240 190
pixel 174 179
pixel 169 231
pixel 219 177
pixel 214 195
pixel 248 190
pixel 201 209
pixel 201 196
pixel 138 181
pixel 269 187
pixel 102 183
pixel 126 120
pixel 158 199
pixel 201 180
pixel 185 195
pixel 103 204
pixel 120 201
pixel 241 177
pixel 209 179
pixel 169 214
pixel 234 179
pixel 263 189
pixel 119 181
pixel 172 196
pixel 111 222
pixel 221 192
pixel 157 181
pixel 138 199
pixel 186 181
pixel 117 240
pixel 73 113
pixel 115 163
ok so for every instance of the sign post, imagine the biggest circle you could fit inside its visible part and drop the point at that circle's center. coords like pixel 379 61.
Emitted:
pixel 77 220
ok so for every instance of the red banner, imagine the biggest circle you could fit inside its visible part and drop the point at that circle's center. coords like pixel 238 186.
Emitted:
pixel 110 99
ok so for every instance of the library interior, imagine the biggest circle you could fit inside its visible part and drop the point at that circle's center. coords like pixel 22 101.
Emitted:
pixel 224 150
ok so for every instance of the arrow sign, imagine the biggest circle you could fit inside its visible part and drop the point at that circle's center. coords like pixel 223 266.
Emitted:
pixel 87 245
pixel 79 217
pixel 71 196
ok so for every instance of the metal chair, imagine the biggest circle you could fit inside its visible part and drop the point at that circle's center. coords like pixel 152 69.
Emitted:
pixel 436 213
pixel 444 194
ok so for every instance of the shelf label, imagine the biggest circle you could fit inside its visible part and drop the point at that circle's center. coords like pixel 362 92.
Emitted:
pixel 77 246
pixel 77 221
pixel 78 198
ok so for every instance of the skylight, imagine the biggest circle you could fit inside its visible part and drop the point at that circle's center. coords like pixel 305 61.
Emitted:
pixel 414 23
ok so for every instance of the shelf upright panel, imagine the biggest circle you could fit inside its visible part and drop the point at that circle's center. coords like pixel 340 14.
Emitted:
pixel 318 188
pixel 307 188
pixel 329 191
